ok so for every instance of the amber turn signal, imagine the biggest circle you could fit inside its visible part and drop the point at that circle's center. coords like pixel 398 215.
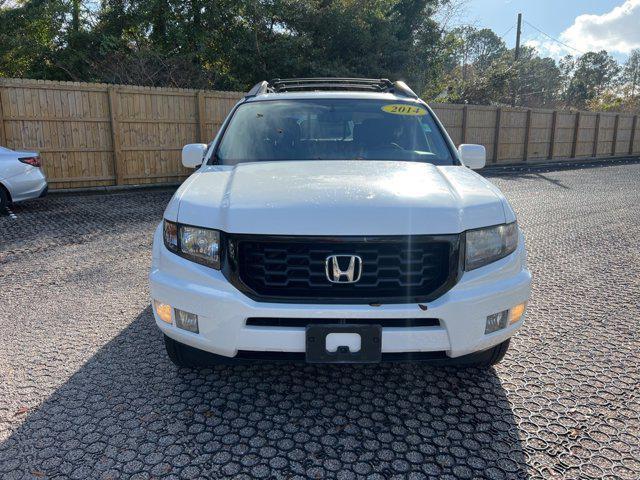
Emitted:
pixel 515 314
pixel 163 310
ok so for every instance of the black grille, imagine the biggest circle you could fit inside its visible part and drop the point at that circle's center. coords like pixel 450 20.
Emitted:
pixel 304 322
pixel 394 269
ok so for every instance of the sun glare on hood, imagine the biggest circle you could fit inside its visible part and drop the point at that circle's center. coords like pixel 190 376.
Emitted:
pixel 412 182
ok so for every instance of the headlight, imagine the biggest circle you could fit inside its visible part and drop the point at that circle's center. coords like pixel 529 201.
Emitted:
pixel 486 245
pixel 170 235
pixel 200 245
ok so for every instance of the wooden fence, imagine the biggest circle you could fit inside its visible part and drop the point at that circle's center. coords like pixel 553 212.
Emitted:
pixel 517 135
pixel 92 135
pixel 97 135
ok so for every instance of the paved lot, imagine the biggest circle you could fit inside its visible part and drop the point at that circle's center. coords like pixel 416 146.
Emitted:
pixel 87 392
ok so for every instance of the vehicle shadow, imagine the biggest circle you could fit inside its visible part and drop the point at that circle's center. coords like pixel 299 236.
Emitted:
pixel 535 176
pixel 56 221
pixel 537 171
pixel 128 412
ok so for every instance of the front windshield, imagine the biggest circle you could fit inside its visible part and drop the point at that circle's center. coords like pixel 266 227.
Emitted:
pixel 332 129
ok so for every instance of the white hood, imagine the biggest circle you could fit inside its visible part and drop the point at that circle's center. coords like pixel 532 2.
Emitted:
pixel 338 198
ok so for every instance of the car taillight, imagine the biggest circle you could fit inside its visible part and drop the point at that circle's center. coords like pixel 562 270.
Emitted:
pixel 33 161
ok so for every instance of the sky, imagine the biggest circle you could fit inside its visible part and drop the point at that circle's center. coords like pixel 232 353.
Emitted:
pixel 582 25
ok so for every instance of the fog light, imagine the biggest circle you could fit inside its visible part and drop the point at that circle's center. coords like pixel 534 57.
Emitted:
pixel 515 314
pixel 496 321
pixel 163 310
pixel 187 321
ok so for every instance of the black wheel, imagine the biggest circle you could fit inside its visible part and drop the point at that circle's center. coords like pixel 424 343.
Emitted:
pixel 498 352
pixel 485 359
pixel 174 352
pixel 4 198
pixel 493 356
pixel 182 355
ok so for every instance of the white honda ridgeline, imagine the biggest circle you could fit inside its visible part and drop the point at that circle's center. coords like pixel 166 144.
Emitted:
pixel 334 221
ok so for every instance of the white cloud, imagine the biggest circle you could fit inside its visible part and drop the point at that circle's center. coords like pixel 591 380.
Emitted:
pixel 617 31
pixel 547 48
pixel 614 31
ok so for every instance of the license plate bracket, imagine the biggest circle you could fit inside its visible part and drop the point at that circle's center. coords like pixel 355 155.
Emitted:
pixel 370 344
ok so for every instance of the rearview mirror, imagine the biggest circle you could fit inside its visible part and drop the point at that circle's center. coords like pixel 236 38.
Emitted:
pixel 193 154
pixel 472 156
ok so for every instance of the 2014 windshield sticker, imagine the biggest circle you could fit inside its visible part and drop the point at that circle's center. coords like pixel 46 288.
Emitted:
pixel 403 109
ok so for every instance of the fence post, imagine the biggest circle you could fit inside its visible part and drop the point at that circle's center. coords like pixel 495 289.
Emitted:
pixel 552 140
pixel 527 136
pixel 465 121
pixel 576 132
pixel 632 140
pixel 496 139
pixel 201 113
pixel 596 136
pixel 614 144
pixel 115 135
pixel 3 134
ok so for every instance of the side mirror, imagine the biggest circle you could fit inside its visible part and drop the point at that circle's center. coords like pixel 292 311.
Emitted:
pixel 193 154
pixel 472 156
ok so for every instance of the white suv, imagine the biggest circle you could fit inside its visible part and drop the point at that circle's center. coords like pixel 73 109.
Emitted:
pixel 333 221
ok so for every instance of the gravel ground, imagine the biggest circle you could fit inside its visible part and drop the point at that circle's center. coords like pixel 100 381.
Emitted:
pixel 86 390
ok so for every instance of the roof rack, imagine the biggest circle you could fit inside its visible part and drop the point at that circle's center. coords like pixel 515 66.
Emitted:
pixel 381 85
pixel 259 89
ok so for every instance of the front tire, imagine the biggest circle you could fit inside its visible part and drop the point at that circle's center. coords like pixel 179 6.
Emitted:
pixel 174 352
pixel 184 356
pixel 4 198
pixel 489 357
pixel 498 352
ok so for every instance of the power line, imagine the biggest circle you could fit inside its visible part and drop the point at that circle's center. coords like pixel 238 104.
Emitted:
pixel 475 26
pixel 554 39
pixel 511 28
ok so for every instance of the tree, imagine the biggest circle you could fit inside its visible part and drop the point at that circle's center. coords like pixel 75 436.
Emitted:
pixel 567 66
pixel 485 47
pixel 486 72
pixel 475 48
pixel 631 73
pixel 537 81
pixel 623 97
pixel 477 72
pixel 483 88
pixel 593 74
pixel 231 44
pixel 29 34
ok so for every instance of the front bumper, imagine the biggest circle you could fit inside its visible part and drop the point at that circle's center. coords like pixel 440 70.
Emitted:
pixel 223 310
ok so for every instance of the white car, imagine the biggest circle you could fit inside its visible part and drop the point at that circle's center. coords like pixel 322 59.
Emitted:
pixel 334 221
pixel 21 177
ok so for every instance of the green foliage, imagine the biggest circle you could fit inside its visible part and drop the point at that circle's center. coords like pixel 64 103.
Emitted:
pixel 223 44
pixel 625 97
pixel 478 71
pixel 29 36
pixel 480 87
pixel 607 102
pixel 590 76
pixel 480 48
pixel 231 44
pixel 537 80
pixel 631 75
pixel 484 71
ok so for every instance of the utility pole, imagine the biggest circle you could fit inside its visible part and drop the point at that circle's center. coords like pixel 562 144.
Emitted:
pixel 517 56
pixel 518 34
